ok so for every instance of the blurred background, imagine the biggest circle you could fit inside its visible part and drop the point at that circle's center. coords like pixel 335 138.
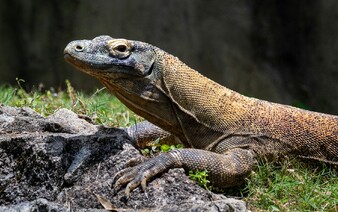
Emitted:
pixel 281 51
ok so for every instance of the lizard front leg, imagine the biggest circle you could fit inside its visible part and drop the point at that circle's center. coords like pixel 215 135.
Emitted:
pixel 144 134
pixel 225 170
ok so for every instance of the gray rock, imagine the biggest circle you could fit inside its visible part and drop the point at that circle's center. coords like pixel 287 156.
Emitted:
pixel 62 162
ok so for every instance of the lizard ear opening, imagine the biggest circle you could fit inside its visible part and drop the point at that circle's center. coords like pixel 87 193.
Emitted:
pixel 143 62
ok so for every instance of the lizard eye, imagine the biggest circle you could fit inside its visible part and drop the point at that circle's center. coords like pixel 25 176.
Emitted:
pixel 119 48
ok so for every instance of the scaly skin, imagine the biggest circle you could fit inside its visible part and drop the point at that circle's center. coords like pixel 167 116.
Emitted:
pixel 223 131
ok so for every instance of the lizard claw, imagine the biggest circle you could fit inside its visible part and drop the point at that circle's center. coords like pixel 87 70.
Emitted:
pixel 138 175
pixel 127 167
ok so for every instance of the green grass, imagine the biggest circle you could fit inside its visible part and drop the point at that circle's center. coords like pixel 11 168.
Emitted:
pixel 100 106
pixel 290 186
pixel 293 186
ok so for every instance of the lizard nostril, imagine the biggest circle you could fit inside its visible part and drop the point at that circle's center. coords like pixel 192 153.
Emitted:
pixel 79 48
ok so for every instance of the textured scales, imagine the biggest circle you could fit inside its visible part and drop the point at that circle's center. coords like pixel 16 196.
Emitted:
pixel 223 130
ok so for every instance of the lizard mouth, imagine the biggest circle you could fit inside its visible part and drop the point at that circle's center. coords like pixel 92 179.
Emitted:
pixel 96 69
pixel 83 64
pixel 89 68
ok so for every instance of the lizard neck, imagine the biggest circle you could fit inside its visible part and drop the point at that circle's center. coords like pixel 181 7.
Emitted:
pixel 180 100
pixel 205 110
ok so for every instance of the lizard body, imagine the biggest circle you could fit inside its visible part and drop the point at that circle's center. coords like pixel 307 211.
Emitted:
pixel 223 130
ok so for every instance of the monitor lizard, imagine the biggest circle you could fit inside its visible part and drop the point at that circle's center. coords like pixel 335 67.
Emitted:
pixel 223 131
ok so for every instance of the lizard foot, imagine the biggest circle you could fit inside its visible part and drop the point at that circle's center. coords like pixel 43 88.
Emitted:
pixel 133 162
pixel 139 175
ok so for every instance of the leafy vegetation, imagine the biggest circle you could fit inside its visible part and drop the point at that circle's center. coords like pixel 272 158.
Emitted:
pixel 288 186
pixel 157 147
pixel 201 178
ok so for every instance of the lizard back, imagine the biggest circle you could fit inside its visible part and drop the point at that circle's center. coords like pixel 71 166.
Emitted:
pixel 211 114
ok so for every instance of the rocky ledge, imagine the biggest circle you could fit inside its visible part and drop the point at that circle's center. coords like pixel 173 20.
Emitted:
pixel 62 162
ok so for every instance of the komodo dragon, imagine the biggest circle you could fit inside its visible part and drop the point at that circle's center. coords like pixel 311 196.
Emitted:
pixel 224 131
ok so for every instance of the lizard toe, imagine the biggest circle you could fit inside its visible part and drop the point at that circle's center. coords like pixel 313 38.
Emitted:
pixel 147 175
pixel 140 180
pixel 123 177
pixel 119 174
pixel 134 162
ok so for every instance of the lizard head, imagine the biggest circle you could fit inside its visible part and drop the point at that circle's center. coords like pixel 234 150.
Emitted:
pixel 105 57
pixel 130 70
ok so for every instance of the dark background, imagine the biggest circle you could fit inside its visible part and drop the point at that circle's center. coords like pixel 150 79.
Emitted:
pixel 283 51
